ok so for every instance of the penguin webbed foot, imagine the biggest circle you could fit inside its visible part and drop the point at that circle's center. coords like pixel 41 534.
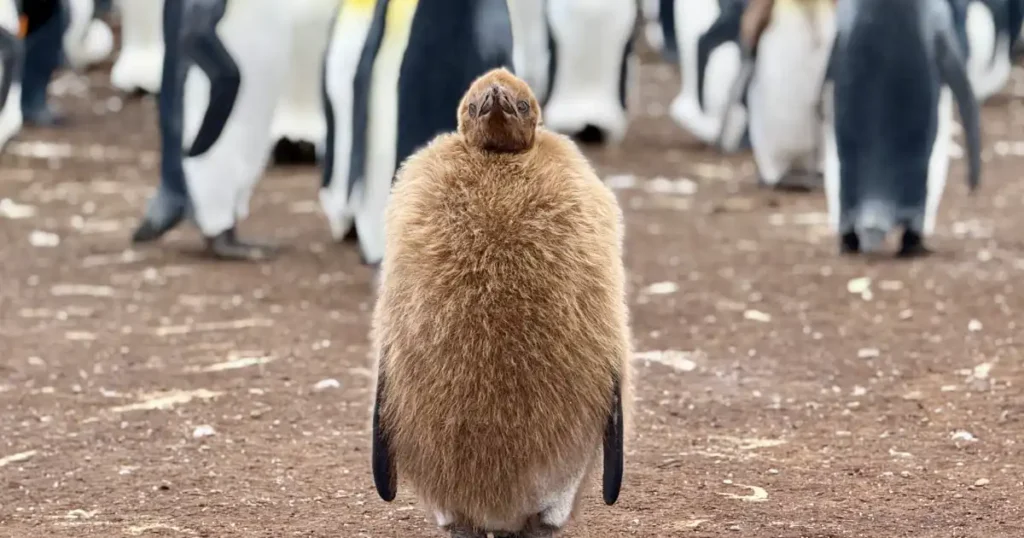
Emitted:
pixel 227 246
pixel 849 243
pixel 45 117
pixel 912 246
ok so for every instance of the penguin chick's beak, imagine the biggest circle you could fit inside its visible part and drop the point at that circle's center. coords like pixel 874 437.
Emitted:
pixel 496 96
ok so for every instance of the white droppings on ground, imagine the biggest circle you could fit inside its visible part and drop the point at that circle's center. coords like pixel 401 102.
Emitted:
pixel 165 400
pixel 757 315
pixel 756 495
pixel 235 362
pixel 203 431
pixel 974 326
pixel 79 336
pixel 9 209
pixel 963 435
pixel 868 353
pixel 326 384
pixel 680 360
pixel 660 288
pixel 176 330
pixel 41 239
pixel 86 290
pixel 860 286
pixel 17 458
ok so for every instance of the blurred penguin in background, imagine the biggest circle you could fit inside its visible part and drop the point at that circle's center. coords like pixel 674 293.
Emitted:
pixel 786 45
pixel 299 125
pixel 139 64
pixel 894 66
pixel 709 57
pixel 592 72
pixel 88 39
pixel 224 68
pixel 990 39
pixel 12 56
pixel 405 83
pixel 660 28
pixel 46 21
pixel 501 328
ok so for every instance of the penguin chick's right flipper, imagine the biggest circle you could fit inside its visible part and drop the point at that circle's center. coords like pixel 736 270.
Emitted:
pixel 203 47
pixel 726 28
pixel 384 477
pixel 954 74
pixel 227 246
pixel 12 57
pixel 613 448
pixel 730 135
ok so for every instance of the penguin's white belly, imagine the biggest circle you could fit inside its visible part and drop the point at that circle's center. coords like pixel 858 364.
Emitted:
pixel 988 65
pixel 299 115
pixel 221 180
pixel 139 65
pixel 938 162
pixel 785 90
pixel 591 38
pixel 342 59
pixel 86 40
pixel 530 54
pixel 10 116
pixel 693 18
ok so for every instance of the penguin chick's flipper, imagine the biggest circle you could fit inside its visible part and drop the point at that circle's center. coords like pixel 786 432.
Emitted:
pixel 725 28
pixel 613 434
pixel 202 45
pixel 227 246
pixel 730 136
pixel 165 211
pixel 954 74
pixel 12 58
pixel 384 477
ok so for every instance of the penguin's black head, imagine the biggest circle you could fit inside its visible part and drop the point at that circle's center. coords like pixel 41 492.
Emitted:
pixel 499 113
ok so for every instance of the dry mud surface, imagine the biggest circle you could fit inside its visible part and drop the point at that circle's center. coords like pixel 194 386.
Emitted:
pixel 782 391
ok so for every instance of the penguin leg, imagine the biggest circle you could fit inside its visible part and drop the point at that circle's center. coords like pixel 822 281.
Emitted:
pixel 849 243
pixel 43 48
pixel 226 245
pixel 912 245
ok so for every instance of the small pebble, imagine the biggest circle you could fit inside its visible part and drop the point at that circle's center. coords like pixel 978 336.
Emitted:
pixel 962 435
pixel 868 353
pixel 974 326
pixel 203 431
pixel 981 482
pixel 325 384
pixel 905 474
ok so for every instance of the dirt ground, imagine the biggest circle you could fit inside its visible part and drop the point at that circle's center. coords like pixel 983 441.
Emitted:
pixel 782 391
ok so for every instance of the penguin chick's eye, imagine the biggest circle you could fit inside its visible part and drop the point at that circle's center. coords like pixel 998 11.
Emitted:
pixel 523 107
pixel 472 110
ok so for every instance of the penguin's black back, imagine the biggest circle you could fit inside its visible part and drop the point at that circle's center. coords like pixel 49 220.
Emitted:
pixel 887 88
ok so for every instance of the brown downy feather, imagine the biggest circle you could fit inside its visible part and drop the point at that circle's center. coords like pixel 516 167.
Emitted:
pixel 502 310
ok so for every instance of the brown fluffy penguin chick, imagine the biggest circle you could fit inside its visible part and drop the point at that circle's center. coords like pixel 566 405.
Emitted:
pixel 501 327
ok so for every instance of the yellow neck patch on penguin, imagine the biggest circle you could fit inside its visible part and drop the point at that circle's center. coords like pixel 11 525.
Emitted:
pixel 499 113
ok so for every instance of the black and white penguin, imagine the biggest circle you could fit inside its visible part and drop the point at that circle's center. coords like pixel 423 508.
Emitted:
pixel 88 39
pixel 709 61
pixel 660 28
pixel 889 107
pixel 139 63
pixel 780 78
pixel 12 55
pixel 403 90
pixel 299 126
pixel 990 39
pixel 222 79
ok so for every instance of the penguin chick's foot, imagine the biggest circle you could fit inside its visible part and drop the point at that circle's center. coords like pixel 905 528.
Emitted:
pixel 227 246
pixel 913 246
pixel 849 243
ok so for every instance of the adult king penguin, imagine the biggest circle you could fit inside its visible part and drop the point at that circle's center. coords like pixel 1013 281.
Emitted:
pixel 990 40
pixel 591 68
pixel 709 59
pixel 138 65
pixel 12 55
pixel 403 88
pixel 299 125
pixel 887 153
pixel 786 46
pixel 222 106
pixel 45 22
pixel 88 39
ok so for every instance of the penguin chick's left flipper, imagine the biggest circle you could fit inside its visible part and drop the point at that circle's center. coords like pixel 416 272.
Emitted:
pixel 202 45
pixel 613 453
pixel 227 246
pixel 384 477
pixel 730 135
pixel 953 70
pixel 725 28
pixel 12 57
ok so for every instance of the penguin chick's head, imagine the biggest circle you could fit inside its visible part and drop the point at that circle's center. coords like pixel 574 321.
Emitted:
pixel 499 113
